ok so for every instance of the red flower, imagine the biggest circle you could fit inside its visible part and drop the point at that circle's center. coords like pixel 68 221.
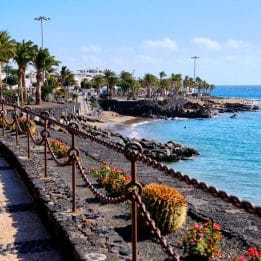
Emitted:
pixel 216 226
pixel 197 227
pixel 203 240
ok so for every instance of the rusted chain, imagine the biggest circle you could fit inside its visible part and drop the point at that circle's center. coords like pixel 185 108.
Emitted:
pixel 37 139
pixel 149 222
pixel 58 162
pixel 20 130
pixel 103 198
pixel 243 204
pixel 8 124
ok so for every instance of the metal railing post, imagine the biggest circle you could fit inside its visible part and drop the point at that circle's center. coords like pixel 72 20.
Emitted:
pixel 73 177
pixel 28 135
pixel 2 117
pixel 73 153
pixel 130 155
pixel 134 214
pixel 45 150
pixel 16 127
pixel 45 134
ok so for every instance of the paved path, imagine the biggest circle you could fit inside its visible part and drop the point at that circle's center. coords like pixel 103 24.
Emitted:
pixel 22 235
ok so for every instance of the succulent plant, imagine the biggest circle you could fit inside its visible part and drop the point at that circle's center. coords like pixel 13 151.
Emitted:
pixel 22 122
pixel 167 207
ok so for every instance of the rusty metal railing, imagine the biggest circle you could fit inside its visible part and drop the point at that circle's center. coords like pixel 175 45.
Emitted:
pixel 132 152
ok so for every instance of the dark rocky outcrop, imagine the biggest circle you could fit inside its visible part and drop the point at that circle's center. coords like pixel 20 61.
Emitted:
pixel 168 108
pixel 168 152
pixel 171 108
pixel 236 107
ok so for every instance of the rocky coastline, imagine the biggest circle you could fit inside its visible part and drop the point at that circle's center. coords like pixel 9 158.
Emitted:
pixel 206 107
pixel 163 152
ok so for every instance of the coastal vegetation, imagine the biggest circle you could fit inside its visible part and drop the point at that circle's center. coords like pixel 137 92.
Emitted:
pixel 48 81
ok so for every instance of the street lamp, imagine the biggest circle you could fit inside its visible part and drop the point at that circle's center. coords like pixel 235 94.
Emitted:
pixel 195 59
pixel 133 84
pixel 41 19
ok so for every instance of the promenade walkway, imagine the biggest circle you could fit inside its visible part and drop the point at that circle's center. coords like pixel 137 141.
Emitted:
pixel 22 235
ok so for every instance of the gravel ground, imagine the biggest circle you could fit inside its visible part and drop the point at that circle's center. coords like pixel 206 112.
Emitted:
pixel 107 226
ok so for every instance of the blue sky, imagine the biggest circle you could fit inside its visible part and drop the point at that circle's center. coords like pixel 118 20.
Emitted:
pixel 144 36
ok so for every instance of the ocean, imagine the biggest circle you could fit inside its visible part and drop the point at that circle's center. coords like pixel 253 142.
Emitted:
pixel 230 149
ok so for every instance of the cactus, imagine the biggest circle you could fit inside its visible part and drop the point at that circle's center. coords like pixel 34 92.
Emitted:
pixel 167 207
pixel 22 121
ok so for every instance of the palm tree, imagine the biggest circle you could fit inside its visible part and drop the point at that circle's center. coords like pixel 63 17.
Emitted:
pixel 162 74
pixel 66 78
pixel 162 82
pixel 43 62
pixel 199 84
pixel 176 82
pixel 165 85
pixel 110 79
pixel 189 84
pixel 7 51
pixel 149 82
pixel 127 82
pixel 97 82
pixel 25 53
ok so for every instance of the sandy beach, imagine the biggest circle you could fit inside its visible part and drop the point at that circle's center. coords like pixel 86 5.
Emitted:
pixel 109 118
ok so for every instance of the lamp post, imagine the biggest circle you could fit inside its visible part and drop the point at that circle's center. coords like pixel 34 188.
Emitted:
pixel 195 59
pixel 41 19
pixel 133 89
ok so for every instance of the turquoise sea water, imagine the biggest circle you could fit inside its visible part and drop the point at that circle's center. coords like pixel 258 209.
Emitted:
pixel 230 149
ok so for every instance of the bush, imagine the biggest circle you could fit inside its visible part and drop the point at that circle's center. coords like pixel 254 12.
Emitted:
pixel 203 240
pixel 167 207
pixel 59 148
pixel 112 179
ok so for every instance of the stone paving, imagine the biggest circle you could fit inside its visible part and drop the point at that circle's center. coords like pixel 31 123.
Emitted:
pixel 22 235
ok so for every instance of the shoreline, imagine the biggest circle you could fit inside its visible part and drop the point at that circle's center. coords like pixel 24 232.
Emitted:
pixel 110 120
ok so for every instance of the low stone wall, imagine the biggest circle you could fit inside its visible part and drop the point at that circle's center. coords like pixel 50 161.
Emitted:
pixel 42 196
pixel 59 110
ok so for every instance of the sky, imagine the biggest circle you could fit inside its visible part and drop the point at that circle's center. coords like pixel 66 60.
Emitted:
pixel 146 36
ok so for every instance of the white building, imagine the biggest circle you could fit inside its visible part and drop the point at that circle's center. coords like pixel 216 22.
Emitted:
pixel 88 74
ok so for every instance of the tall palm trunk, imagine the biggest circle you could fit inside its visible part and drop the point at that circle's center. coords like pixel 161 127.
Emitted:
pixel 24 88
pixel 39 78
pixel 20 85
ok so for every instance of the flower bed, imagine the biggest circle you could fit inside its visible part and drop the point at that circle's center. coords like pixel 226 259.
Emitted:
pixel 203 240
pixel 59 148
pixel 112 179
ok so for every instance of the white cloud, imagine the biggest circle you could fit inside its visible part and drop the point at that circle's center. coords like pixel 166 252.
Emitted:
pixel 207 43
pixel 91 59
pixel 166 43
pixel 91 49
pixel 235 44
